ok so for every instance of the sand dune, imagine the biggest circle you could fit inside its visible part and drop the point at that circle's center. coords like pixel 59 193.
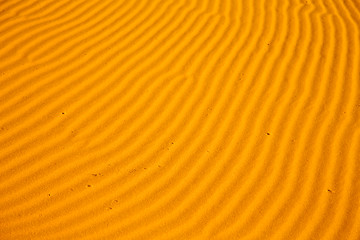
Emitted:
pixel 180 119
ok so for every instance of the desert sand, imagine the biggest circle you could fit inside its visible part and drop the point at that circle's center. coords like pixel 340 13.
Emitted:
pixel 193 119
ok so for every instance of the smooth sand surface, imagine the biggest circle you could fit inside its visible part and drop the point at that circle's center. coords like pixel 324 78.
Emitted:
pixel 192 119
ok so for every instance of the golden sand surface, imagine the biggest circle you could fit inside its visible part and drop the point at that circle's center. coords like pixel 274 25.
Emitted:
pixel 191 119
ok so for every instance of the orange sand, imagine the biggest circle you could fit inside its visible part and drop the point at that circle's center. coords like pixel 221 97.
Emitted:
pixel 193 119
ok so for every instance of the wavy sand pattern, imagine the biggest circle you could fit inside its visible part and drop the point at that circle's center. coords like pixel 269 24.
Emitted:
pixel 193 119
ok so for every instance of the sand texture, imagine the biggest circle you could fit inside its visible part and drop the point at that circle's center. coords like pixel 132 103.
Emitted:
pixel 191 119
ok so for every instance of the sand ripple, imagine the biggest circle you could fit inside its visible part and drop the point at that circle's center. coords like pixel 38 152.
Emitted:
pixel 196 119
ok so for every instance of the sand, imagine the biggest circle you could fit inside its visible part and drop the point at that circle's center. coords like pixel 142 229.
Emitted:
pixel 194 119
